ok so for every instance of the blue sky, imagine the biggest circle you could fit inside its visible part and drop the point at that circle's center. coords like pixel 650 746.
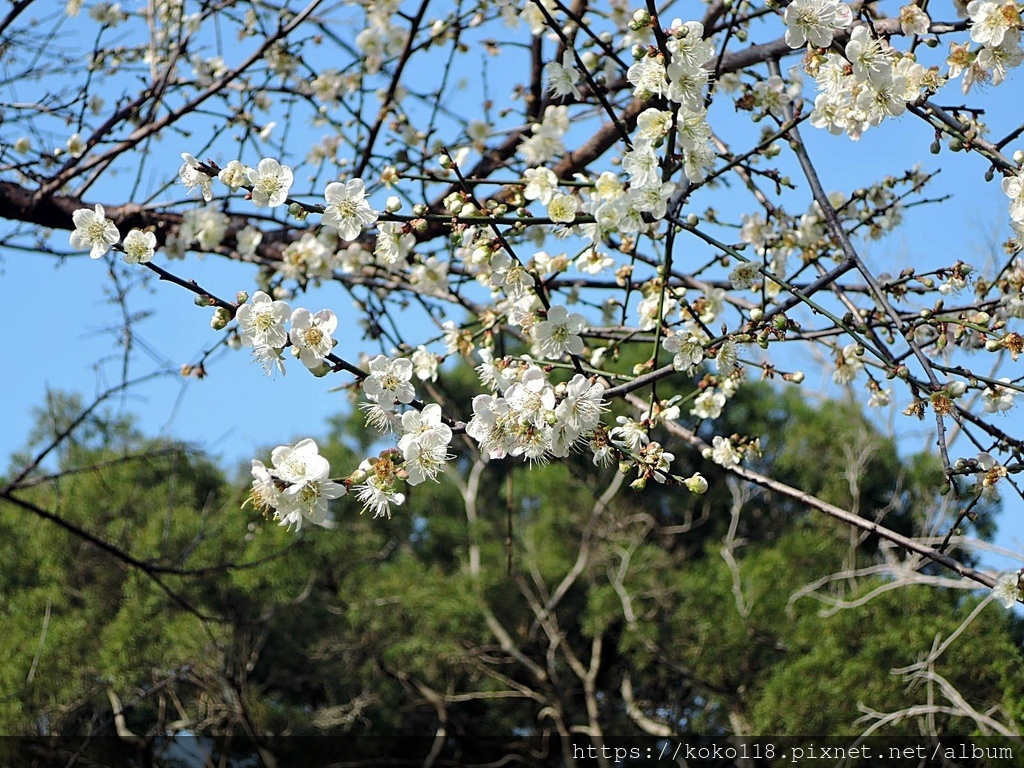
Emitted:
pixel 59 310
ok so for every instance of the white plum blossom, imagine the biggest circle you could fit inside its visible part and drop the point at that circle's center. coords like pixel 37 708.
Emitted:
pixel 541 184
pixel 687 351
pixel 722 452
pixel 311 335
pixel 234 175
pixel 139 247
pixel 997 399
pixel 727 359
pixel 991 21
pixel 424 458
pixel 562 209
pixel 207 226
pixel 563 78
pixel 270 183
pixel 262 321
pixel 393 242
pixel 93 230
pixel 642 165
pixel 913 20
pixel 815 21
pixel 1013 188
pixel 425 363
pixel 630 434
pixel 848 364
pixel 593 262
pixel 192 176
pixel 579 412
pixel 560 333
pixel 653 124
pixel 347 209
pixel 1007 589
pixel 297 488
pixel 76 146
pixel 647 76
pixel 389 380
pixel 708 404
pixel 377 497
pixel 424 443
pixel 296 464
pixel 248 240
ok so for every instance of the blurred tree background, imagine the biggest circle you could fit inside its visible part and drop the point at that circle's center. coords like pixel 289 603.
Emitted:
pixel 508 611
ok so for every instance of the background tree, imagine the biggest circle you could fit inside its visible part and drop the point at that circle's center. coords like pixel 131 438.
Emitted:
pixel 609 617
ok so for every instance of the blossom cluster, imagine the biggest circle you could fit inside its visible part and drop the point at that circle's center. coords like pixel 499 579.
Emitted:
pixel 297 487
pixel 531 417
pixel 261 326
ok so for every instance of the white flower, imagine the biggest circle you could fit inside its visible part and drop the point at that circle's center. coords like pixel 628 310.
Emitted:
pixel 642 165
pixel 541 184
pixel 562 208
pixel 270 183
pixel 564 78
pixel 262 321
pixel 723 452
pixel 424 363
pixel 559 333
pixel 424 458
pixel 727 359
pixel 270 358
pixel 75 145
pixel 93 230
pixel 139 247
pixel 347 209
pixel 629 433
pixel 490 425
pixel 1007 589
pixel 580 410
pixel 998 399
pixel 647 76
pixel 990 21
pixel 848 364
pixel 265 495
pixel 913 20
pixel 311 335
pixel 389 381
pixel 299 463
pixel 247 240
pixel 593 261
pixel 192 177
pixel 393 242
pixel 308 502
pixel 652 124
pixel 205 225
pixel 814 21
pixel 743 276
pixel 419 424
pixel 708 404
pixel 377 493
pixel 1013 187
pixel 687 350
pixel 234 174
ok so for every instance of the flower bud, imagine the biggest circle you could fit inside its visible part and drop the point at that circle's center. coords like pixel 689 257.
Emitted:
pixel 393 204
pixel 696 484
pixel 221 317
pixel 241 297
